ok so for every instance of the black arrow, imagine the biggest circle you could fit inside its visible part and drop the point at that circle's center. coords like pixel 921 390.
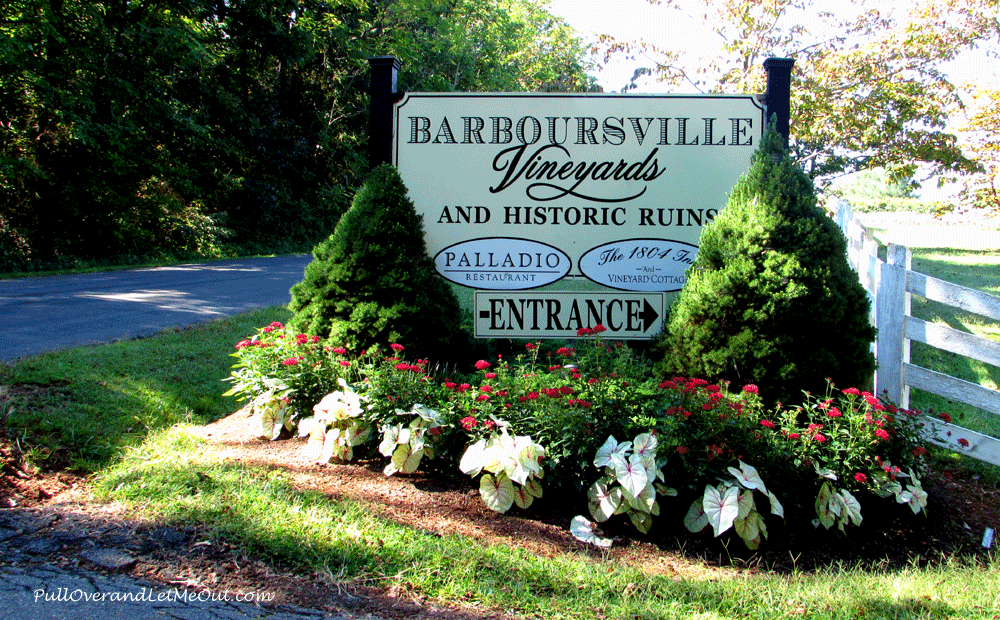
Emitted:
pixel 648 315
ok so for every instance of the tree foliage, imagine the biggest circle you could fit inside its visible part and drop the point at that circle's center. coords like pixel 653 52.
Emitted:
pixel 770 299
pixel 372 283
pixel 178 125
pixel 868 89
pixel 981 138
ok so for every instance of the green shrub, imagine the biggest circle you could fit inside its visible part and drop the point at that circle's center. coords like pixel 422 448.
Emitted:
pixel 372 283
pixel 770 298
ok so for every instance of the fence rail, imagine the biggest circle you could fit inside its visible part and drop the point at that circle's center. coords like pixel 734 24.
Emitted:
pixel 890 284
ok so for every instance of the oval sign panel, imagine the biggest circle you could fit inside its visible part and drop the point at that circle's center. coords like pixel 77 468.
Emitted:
pixel 502 263
pixel 639 264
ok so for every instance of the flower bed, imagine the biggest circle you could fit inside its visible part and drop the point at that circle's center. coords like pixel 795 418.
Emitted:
pixel 590 420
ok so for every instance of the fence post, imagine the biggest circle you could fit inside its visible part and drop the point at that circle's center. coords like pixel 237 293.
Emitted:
pixel 892 306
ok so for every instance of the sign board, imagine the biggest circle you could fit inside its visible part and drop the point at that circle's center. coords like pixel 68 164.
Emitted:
pixel 562 314
pixel 603 192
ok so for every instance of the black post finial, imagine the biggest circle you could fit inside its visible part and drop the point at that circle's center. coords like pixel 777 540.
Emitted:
pixel 383 96
pixel 777 96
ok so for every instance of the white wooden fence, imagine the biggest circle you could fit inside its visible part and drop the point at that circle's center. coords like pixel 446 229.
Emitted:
pixel 890 284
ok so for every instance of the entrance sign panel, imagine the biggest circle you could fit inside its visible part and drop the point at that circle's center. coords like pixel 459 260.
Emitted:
pixel 589 192
pixel 573 172
pixel 561 314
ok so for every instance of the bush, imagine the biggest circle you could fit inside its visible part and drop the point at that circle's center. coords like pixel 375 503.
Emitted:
pixel 770 298
pixel 372 282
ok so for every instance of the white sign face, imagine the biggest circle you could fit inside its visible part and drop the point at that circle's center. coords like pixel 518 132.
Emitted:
pixel 562 314
pixel 502 263
pixel 518 191
pixel 639 264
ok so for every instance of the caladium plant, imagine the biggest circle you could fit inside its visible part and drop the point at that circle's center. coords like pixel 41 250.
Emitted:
pixel 271 411
pixel 336 426
pixel 513 469
pixel 408 443
pixel 730 504
pixel 629 485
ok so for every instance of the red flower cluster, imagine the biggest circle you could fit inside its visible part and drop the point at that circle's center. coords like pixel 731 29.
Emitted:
pixel 396 347
pixel 586 331
pixel 482 365
pixel 860 477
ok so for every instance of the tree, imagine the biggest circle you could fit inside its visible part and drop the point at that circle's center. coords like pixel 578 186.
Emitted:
pixel 981 137
pixel 868 90
pixel 372 282
pixel 770 299
pixel 483 45
pixel 136 128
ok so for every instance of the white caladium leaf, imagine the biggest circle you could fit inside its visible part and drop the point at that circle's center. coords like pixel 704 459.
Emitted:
pixel 390 436
pixel 917 497
pixel 721 507
pixel 776 507
pixel 747 476
pixel 603 500
pixel 329 449
pixel 535 488
pixel 497 492
pixel 357 434
pixel 631 474
pixel 852 507
pixel 306 426
pixel 696 520
pixel 746 505
pixel 586 531
pixel 405 434
pixel 746 527
pixel 272 420
pixel 273 383
pixel 644 501
pixel 823 511
pixel 824 473
pixel 474 458
pixel 611 453
pixel 427 414
pixel 406 459
pixel 645 445
pixel 522 497
pixel 666 491
pixel 642 520
pixel 314 446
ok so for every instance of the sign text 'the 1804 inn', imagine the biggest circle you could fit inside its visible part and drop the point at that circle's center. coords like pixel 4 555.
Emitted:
pixel 520 191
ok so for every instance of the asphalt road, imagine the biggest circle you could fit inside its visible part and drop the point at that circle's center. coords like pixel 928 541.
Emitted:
pixel 54 312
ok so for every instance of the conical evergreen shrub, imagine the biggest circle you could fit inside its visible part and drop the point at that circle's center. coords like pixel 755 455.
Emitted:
pixel 372 283
pixel 770 299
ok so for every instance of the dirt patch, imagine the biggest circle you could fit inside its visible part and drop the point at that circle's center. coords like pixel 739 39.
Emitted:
pixel 961 505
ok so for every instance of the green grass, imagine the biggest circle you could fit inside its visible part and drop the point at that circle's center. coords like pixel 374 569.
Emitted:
pixel 175 477
pixel 84 405
pixel 972 269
